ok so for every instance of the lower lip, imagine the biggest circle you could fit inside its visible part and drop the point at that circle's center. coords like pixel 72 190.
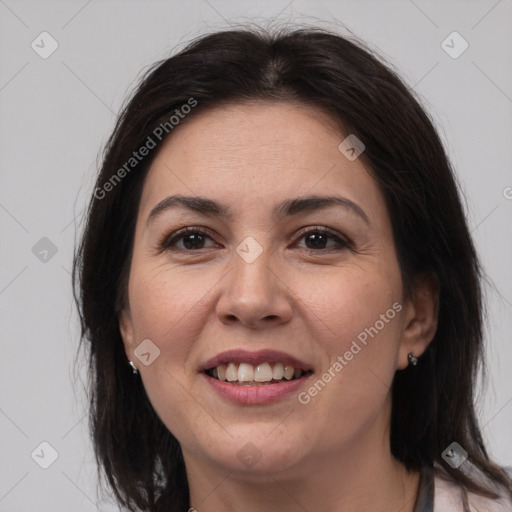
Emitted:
pixel 259 394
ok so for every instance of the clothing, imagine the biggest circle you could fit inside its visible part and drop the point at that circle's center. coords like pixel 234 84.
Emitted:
pixel 436 494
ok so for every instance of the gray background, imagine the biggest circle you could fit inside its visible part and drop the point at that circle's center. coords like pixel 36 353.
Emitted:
pixel 55 115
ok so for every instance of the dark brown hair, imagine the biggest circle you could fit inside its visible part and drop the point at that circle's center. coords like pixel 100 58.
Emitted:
pixel 433 403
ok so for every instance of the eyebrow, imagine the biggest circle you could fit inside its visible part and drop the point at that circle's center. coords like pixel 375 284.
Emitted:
pixel 287 208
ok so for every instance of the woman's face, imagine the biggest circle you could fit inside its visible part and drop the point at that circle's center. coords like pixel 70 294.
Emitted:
pixel 256 297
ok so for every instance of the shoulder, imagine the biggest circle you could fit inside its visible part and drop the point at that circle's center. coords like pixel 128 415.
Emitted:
pixel 448 498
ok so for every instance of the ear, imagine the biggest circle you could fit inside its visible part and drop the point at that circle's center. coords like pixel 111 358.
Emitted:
pixel 420 320
pixel 126 330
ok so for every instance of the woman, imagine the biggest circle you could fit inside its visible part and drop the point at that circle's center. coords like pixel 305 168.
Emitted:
pixel 279 292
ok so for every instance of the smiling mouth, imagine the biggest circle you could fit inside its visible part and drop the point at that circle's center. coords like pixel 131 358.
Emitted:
pixel 264 374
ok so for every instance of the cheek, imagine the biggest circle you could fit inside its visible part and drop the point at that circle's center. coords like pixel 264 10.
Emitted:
pixel 166 305
pixel 351 304
pixel 167 308
pixel 357 325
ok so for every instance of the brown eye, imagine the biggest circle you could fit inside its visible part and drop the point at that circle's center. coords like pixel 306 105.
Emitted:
pixel 317 238
pixel 193 238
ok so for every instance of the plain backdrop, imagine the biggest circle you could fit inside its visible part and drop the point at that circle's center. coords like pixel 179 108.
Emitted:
pixel 57 112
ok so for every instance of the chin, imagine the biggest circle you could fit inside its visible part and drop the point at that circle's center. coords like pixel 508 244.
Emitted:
pixel 255 451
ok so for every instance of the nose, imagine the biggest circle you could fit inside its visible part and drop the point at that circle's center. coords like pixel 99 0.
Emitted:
pixel 254 294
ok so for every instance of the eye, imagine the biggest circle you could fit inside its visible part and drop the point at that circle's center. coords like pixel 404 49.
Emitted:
pixel 317 237
pixel 193 238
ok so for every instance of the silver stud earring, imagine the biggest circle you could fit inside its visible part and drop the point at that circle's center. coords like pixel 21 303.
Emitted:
pixel 412 359
pixel 134 368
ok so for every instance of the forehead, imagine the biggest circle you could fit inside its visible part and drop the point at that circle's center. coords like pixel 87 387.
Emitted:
pixel 248 153
pixel 250 130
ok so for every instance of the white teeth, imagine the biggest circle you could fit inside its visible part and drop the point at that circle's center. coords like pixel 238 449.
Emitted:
pixel 221 372
pixel 278 371
pixel 245 373
pixel 288 372
pixel 231 372
pixel 263 373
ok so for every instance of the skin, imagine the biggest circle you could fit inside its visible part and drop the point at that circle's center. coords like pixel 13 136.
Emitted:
pixel 310 301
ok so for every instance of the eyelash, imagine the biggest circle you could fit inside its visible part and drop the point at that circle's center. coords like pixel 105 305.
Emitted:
pixel 168 241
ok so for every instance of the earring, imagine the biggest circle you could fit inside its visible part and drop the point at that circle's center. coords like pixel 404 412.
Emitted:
pixel 412 359
pixel 134 368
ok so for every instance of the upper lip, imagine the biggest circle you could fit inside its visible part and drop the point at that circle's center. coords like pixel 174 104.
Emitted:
pixel 258 357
